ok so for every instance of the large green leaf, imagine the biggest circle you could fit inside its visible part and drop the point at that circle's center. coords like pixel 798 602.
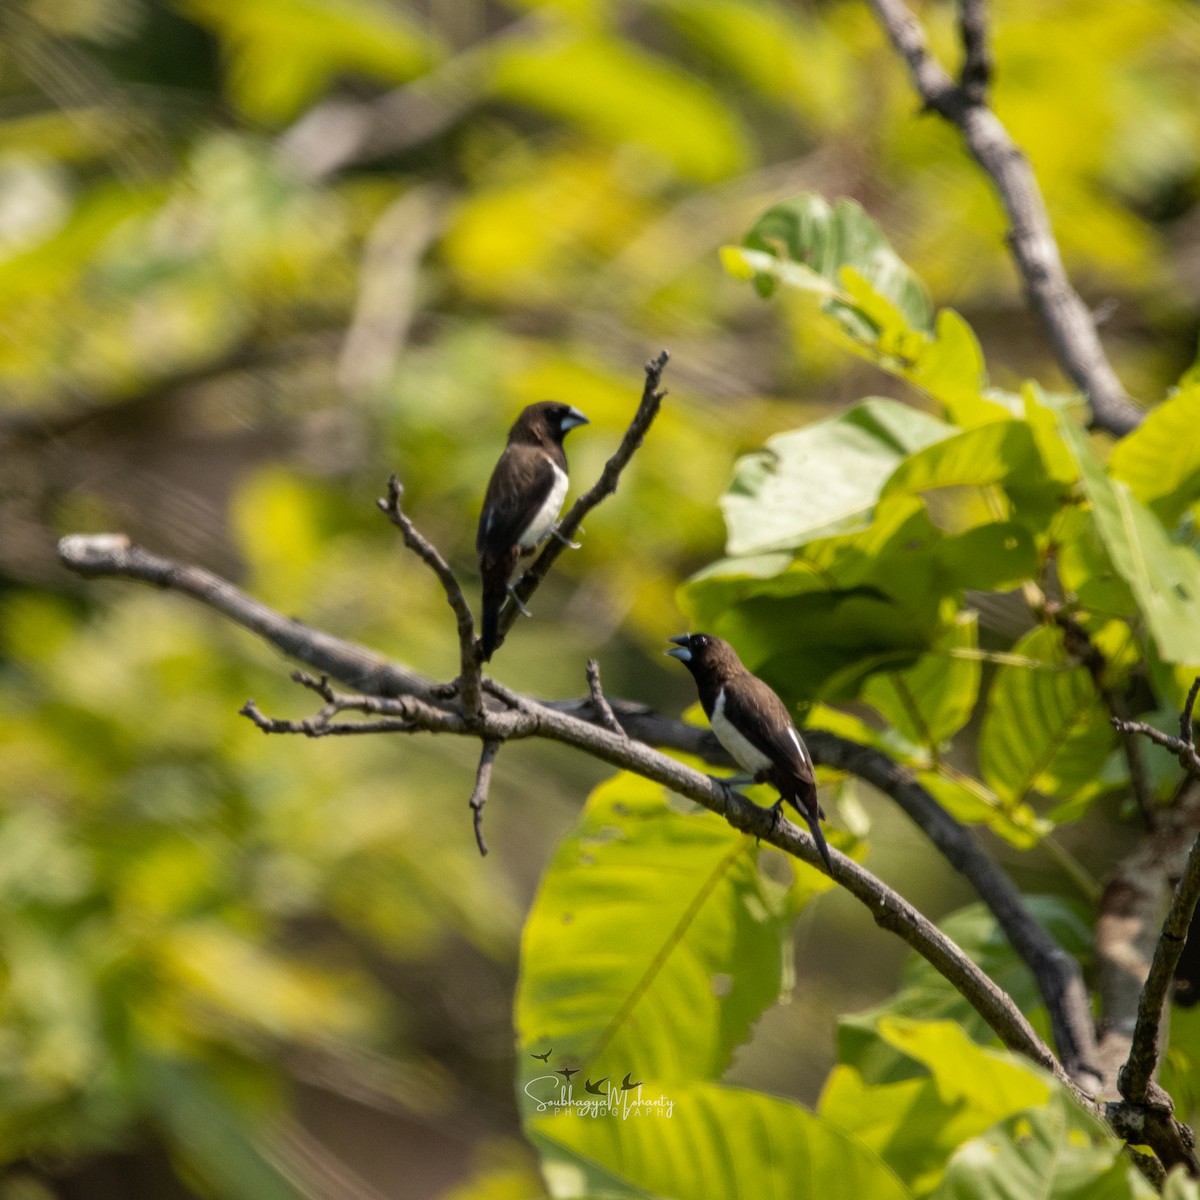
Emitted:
pixel 915 1124
pixel 870 301
pixel 986 474
pixel 933 699
pixel 1165 578
pixel 817 240
pixel 1160 459
pixel 925 995
pixel 698 1141
pixel 1055 1152
pixel 822 479
pixel 1045 729
pixel 653 944
pixel 815 622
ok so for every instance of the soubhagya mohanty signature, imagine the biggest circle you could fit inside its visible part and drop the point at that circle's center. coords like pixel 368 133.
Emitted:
pixel 597 1101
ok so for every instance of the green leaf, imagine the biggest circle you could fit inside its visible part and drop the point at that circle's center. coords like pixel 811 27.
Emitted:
pixel 1055 1152
pixel 871 302
pixel 824 478
pixel 932 700
pixel 1165 578
pixel 1160 459
pixel 986 474
pixel 625 96
pixel 653 944
pixel 710 1141
pixel 1045 729
pixel 806 232
pixel 925 995
pixel 1085 567
pixel 969 800
pixel 915 1124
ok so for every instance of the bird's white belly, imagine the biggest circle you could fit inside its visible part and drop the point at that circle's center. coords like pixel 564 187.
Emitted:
pixel 545 516
pixel 748 756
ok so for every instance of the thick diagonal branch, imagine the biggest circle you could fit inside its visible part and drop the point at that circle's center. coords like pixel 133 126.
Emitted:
pixel 1065 317
pixel 523 717
pixel 1055 971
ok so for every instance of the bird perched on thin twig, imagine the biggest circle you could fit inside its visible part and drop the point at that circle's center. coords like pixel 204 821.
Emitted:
pixel 524 497
pixel 753 724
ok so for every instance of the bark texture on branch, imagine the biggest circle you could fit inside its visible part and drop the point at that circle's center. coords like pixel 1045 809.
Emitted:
pixel 1067 320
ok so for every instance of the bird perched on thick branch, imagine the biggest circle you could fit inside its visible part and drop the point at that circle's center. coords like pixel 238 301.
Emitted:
pixel 753 724
pixel 522 503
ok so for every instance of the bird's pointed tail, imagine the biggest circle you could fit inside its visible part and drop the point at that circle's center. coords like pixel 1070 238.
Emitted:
pixel 489 632
pixel 810 810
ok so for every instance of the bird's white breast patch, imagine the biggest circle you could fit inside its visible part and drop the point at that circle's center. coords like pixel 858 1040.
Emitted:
pixel 748 756
pixel 545 516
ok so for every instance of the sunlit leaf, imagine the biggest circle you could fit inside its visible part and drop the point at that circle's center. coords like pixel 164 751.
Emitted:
pixel 986 474
pixel 653 944
pixel 807 232
pixel 824 478
pixel 717 1141
pixel 914 1124
pixel 1059 1152
pixel 1164 577
pixel 925 995
pixel 1160 459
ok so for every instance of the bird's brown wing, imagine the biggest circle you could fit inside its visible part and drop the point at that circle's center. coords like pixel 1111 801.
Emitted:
pixel 522 480
pixel 763 719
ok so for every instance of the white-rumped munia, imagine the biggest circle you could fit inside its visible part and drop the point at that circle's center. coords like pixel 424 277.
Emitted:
pixel 754 725
pixel 524 497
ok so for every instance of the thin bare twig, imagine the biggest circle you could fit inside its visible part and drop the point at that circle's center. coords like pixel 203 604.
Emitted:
pixel 431 556
pixel 605 486
pixel 1056 972
pixel 599 701
pixel 479 795
pixel 1065 317
pixel 1184 746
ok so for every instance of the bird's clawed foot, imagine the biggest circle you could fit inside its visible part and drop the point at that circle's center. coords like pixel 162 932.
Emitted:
pixel 566 541
pixel 512 594
pixel 776 815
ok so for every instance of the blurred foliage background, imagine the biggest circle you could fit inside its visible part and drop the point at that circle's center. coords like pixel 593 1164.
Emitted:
pixel 253 257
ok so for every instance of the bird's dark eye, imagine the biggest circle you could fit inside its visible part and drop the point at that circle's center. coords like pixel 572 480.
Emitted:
pixel 700 640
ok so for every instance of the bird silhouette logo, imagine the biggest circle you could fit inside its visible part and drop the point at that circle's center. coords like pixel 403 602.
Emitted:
pixel 627 1086
pixel 594 1088
pixel 544 1057
pixel 567 1072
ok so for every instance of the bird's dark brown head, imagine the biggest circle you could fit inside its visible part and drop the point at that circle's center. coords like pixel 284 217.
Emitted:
pixel 705 655
pixel 546 423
